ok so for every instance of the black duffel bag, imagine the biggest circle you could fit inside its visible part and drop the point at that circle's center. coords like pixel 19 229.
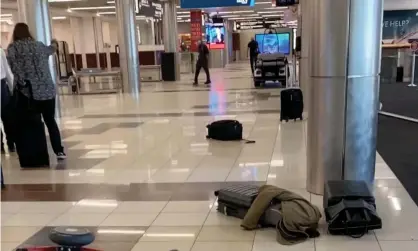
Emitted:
pixel 350 208
pixel 353 218
pixel 226 130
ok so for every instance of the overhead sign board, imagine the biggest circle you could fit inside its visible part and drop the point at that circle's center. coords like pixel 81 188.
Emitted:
pixel 258 24
pixel 283 3
pixel 149 8
pixel 198 4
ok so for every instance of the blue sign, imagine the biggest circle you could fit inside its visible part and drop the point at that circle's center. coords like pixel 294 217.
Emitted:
pixel 199 4
pixel 399 26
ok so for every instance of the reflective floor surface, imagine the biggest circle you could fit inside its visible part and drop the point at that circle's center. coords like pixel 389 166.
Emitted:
pixel 140 173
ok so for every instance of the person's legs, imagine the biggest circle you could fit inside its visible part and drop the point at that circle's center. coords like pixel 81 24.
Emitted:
pixel 252 59
pixel 196 74
pixel 206 68
pixel 47 109
pixel 9 127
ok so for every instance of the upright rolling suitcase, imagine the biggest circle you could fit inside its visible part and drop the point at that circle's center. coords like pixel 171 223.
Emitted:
pixel 291 104
pixel 30 135
pixel 31 143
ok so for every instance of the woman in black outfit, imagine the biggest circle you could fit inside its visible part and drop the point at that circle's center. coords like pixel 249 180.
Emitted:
pixel 28 60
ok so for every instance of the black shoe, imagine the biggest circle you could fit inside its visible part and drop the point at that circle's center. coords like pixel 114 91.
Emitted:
pixel 208 82
pixel 61 156
pixel 195 83
pixel 3 151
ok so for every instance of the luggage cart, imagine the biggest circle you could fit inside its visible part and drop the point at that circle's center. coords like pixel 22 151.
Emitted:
pixel 271 67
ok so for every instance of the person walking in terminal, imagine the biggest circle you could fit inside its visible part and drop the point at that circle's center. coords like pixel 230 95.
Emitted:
pixel 6 97
pixel 253 51
pixel 28 61
pixel 202 62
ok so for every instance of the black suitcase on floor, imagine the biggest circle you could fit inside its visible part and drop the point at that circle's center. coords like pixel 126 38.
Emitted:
pixel 291 104
pixel 239 195
pixel 31 143
pixel 269 219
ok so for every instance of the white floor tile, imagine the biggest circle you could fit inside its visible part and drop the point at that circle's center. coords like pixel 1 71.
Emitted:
pixel 46 207
pixel 275 246
pixel 9 246
pixel 218 219
pixel 163 246
pixel 347 245
pixel 224 233
pixel 128 219
pixel 188 207
pixel 140 207
pixel 399 245
pixel 180 219
pixel 222 246
pixel 17 234
pixel 11 207
pixel 209 174
pixel 29 220
pixel 94 206
pixel 79 219
pixel 248 174
pixel 177 234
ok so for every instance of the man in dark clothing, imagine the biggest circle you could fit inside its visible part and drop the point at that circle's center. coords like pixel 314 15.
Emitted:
pixel 253 50
pixel 202 62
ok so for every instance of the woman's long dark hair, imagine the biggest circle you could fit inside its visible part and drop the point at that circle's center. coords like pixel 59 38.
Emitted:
pixel 21 32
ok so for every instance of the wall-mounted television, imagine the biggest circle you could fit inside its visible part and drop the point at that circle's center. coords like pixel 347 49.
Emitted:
pixel 274 43
pixel 215 35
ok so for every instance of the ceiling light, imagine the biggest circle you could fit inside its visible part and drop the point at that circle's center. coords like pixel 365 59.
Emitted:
pixel 269 2
pixel 243 11
pixel 276 8
pixel 110 2
pixel 58 18
pixel 94 8
pixel 229 16
pixel 183 12
pixel 278 15
pixel 69 10
pixel 106 13
pixel 183 16
pixel 269 12
pixel 6 15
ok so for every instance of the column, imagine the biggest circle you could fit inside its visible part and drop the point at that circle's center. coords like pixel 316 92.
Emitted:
pixel 170 26
pixel 98 38
pixel 152 31
pixel 345 53
pixel 128 48
pixel 170 38
pixel 35 13
pixel 304 32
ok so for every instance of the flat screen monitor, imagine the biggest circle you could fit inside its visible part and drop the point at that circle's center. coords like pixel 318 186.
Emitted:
pixel 215 36
pixel 274 43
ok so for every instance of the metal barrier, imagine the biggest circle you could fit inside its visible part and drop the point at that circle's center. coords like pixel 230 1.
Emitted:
pixel 150 73
pixel 92 86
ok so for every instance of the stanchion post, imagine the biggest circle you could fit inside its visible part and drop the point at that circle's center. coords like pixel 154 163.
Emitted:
pixel 414 55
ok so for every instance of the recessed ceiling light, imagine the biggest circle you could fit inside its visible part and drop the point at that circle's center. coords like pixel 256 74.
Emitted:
pixel 58 18
pixel 93 8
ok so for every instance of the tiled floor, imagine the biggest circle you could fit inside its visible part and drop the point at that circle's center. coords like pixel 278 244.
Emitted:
pixel 141 174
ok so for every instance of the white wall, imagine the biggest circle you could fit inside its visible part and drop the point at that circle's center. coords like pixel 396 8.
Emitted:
pixel 401 4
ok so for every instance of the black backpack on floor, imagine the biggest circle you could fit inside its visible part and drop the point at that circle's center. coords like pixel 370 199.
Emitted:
pixel 225 130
